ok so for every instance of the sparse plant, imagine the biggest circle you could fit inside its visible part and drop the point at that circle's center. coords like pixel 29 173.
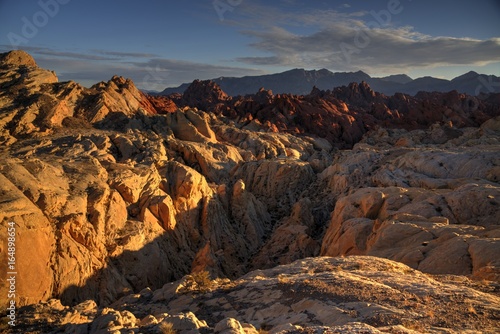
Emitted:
pixel 203 280
pixel 198 282
pixel 167 328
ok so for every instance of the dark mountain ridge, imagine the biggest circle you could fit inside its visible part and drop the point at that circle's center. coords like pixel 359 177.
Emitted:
pixel 301 82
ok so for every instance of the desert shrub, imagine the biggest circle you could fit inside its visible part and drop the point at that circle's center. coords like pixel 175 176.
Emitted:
pixel 198 282
pixel 167 328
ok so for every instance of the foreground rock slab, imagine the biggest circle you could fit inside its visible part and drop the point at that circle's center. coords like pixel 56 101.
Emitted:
pixel 355 294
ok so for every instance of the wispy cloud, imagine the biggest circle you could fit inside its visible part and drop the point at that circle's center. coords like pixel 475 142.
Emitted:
pixel 159 73
pixel 345 39
pixel 352 44
pixel 153 74
pixel 34 50
pixel 148 71
pixel 255 15
pixel 125 54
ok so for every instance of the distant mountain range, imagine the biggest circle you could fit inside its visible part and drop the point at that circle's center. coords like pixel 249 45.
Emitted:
pixel 300 81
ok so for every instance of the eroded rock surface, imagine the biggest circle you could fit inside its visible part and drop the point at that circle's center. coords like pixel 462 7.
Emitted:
pixel 133 199
pixel 113 194
pixel 356 294
pixel 428 207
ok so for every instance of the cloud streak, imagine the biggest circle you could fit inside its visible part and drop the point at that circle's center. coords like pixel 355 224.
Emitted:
pixel 126 54
pixel 358 40
pixel 148 71
pixel 354 46
pixel 152 74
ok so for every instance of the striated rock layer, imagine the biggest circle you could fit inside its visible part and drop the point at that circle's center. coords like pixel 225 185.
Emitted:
pixel 114 194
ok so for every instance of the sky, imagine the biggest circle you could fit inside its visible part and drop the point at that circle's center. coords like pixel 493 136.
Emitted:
pixel 162 43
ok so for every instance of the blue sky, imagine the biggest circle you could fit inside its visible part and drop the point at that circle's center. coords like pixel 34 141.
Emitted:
pixel 160 43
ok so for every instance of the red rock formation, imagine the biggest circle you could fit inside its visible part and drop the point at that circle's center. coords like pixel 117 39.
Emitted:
pixel 204 95
pixel 343 115
pixel 162 104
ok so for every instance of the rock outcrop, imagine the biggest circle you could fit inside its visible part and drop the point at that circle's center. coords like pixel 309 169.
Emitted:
pixel 33 102
pixel 357 294
pixel 117 198
pixel 344 114
pixel 113 195
pixel 426 207
pixel 203 95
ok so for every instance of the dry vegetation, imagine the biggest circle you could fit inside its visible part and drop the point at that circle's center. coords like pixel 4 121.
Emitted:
pixel 167 328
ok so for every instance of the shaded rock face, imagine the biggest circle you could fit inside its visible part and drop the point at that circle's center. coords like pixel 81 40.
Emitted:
pixel 118 195
pixel 117 212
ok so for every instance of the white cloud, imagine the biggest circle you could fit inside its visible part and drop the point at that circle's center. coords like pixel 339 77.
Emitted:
pixel 345 41
pixel 342 46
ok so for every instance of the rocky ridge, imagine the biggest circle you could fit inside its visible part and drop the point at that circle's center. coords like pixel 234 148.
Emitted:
pixel 117 194
pixel 341 115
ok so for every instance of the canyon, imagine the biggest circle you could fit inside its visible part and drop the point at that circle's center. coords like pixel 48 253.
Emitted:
pixel 343 210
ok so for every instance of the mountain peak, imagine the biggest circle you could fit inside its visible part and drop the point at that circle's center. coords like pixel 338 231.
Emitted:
pixel 301 81
pixel 467 76
pixel 398 78
pixel 361 73
pixel 357 76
